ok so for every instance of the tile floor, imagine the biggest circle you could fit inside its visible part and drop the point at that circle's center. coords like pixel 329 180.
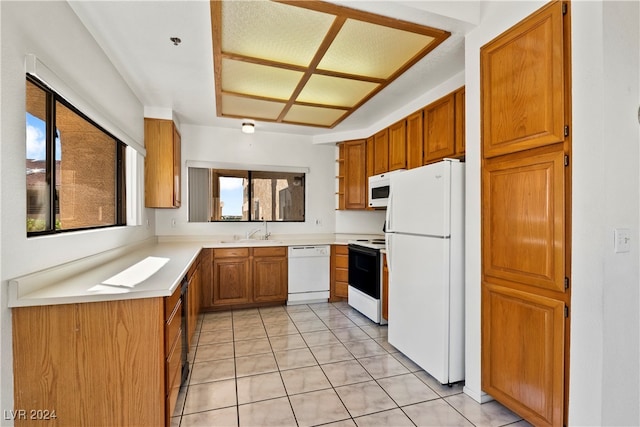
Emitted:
pixel 316 364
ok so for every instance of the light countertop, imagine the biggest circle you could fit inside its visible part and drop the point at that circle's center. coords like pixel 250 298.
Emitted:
pixel 149 269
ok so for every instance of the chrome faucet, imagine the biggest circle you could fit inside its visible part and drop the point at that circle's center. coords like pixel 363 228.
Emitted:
pixel 252 232
pixel 266 231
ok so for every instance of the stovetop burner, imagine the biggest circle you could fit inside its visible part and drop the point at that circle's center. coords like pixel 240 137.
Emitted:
pixel 370 243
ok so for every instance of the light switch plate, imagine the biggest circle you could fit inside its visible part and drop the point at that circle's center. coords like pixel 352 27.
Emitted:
pixel 622 240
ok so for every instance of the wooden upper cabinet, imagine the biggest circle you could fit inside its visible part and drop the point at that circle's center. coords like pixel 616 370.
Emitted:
pixel 414 140
pixel 439 129
pixel 381 152
pixel 459 97
pixel 162 169
pixel 355 179
pixel 398 146
pixel 530 113
pixel 523 215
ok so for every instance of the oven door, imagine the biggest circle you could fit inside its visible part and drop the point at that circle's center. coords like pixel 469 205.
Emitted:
pixel 364 270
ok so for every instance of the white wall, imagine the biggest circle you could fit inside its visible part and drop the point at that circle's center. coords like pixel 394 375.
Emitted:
pixel 604 370
pixel 605 326
pixel 201 143
pixel 51 31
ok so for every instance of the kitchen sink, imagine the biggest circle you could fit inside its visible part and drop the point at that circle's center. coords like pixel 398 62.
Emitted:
pixel 252 242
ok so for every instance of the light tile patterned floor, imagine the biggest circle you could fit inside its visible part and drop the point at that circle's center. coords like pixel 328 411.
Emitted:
pixel 316 364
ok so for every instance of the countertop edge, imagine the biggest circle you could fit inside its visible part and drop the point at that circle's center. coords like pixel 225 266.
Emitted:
pixel 75 287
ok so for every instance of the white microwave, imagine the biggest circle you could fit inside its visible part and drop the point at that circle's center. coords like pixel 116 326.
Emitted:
pixel 380 188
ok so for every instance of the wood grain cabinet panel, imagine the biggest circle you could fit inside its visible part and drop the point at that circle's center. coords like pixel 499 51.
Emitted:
pixel 439 129
pixel 381 152
pixel 522 82
pixel 339 274
pixel 526 204
pixel 162 164
pixel 270 274
pixel 460 128
pixel 523 219
pixel 415 138
pixel 398 145
pixel 355 180
pixel 99 363
pixel 523 352
pixel 231 280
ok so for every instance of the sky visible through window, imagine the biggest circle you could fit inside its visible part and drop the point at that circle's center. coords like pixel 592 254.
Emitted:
pixel 36 139
pixel 231 193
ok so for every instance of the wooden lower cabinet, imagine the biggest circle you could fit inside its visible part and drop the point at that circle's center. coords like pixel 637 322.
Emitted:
pixel 194 298
pixel 339 275
pixel 270 274
pixel 99 363
pixel 523 352
pixel 245 276
pixel 231 276
pixel 173 334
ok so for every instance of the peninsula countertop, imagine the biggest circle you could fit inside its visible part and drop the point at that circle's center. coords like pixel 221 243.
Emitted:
pixel 148 269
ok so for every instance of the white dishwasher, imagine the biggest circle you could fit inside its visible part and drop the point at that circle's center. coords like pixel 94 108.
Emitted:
pixel 308 274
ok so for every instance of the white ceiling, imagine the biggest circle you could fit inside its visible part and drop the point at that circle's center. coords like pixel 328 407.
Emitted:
pixel 135 36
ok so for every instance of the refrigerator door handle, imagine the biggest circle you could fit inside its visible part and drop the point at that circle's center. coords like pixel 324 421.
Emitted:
pixel 388 226
pixel 388 246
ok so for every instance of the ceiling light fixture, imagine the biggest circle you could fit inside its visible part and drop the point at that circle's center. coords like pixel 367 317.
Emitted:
pixel 248 127
pixel 176 40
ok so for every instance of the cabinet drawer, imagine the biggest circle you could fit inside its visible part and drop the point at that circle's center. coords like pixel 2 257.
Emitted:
pixel 280 251
pixel 342 261
pixel 342 275
pixel 342 250
pixel 230 252
pixel 170 303
pixel 172 328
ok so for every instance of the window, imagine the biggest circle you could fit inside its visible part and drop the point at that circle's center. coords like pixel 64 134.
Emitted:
pixel 241 195
pixel 75 171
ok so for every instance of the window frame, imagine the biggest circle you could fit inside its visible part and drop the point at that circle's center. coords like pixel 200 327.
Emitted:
pixel 248 175
pixel 53 97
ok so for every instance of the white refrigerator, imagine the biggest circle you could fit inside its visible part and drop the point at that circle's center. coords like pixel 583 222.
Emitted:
pixel 425 256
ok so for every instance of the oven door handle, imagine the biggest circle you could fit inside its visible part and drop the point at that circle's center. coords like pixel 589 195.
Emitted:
pixel 363 250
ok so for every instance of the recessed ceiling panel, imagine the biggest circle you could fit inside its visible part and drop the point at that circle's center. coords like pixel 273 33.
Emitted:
pixel 258 80
pixel 273 31
pixel 335 91
pixel 237 106
pixel 318 116
pixel 295 61
pixel 366 49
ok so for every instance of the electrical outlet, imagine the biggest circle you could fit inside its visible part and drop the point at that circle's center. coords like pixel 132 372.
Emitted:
pixel 622 240
pixel 173 223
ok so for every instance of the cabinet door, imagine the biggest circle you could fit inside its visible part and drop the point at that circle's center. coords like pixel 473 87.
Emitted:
pixel 193 306
pixel 398 146
pixel 162 164
pixel 269 279
pixel 381 152
pixel 522 82
pixel 439 129
pixel 177 166
pixel 460 121
pixel 523 352
pixel 414 140
pixel 355 180
pixel 339 289
pixel 231 279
